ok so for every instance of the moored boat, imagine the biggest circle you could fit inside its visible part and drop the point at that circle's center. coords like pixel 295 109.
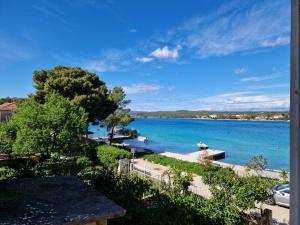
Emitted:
pixel 142 139
pixel 202 146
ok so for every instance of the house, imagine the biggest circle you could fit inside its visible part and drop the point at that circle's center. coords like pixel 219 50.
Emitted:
pixel 6 110
pixel 277 117
pixel 213 116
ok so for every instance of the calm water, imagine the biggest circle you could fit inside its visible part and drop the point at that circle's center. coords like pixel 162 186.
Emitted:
pixel 239 139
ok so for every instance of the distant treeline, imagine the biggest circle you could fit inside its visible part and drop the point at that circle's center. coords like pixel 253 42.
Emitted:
pixel 11 99
pixel 215 115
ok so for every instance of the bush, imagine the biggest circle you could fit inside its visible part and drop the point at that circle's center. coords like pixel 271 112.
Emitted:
pixel 129 132
pixel 109 156
pixel 7 173
pixel 83 162
pixel 51 168
pixel 195 168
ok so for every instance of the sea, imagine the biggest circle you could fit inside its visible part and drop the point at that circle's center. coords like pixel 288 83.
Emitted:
pixel 240 139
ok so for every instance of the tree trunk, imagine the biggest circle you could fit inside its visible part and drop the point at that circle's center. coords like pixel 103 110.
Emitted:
pixel 111 135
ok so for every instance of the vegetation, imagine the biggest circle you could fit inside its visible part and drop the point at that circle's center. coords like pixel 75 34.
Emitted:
pixel 53 122
pixel 258 164
pixel 12 99
pixel 55 126
pixel 121 116
pixel 284 175
pixel 81 87
pixel 219 115
pixel 109 156
pixel 232 195
pixel 129 132
pixel 7 173
pixel 195 168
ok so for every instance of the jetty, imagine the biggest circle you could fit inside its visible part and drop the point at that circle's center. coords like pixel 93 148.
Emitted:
pixel 210 154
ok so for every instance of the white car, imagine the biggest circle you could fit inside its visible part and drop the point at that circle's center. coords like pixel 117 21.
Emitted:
pixel 281 195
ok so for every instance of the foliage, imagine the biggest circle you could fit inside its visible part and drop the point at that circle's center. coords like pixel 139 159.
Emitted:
pixel 284 175
pixel 83 88
pixel 129 132
pixel 126 190
pixel 177 181
pixel 7 137
pixel 55 126
pixel 257 163
pixel 195 168
pixel 7 173
pixel 170 208
pixel 51 168
pixel 121 116
pixel 12 99
pixel 83 162
pixel 232 195
pixel 61 167
pixel 109 156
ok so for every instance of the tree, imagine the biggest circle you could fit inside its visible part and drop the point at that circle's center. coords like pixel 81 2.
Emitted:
pixel 81 87
pixel 233 195
pixel 257 163
pixel 56 126
pixel 121 116
pixel 7 136
pixel 284 175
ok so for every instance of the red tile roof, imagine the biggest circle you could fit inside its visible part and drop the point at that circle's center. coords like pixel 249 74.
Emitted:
pixel 8 106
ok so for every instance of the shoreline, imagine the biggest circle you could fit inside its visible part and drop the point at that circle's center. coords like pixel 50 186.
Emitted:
pixel 193 157
pixel 190 118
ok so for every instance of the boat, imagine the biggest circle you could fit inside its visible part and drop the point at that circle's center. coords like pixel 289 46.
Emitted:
pixel 202 146
pixel 142 139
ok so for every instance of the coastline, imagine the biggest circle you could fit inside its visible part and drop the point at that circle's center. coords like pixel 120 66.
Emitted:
pixel 194 157
pixel 190 118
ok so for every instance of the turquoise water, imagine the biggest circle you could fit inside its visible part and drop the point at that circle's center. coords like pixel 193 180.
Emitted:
pixel 239 139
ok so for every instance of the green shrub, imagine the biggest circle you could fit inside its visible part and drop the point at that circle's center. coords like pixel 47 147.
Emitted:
pixel 129 132
pixel 195 168
pixel 50 168
pixel 7 173
pixel 110 155
pixel 83 162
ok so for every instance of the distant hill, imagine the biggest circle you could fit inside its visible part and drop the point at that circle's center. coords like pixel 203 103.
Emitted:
pixel 214 115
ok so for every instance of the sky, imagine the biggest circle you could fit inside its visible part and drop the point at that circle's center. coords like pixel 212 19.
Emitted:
pixel 230 55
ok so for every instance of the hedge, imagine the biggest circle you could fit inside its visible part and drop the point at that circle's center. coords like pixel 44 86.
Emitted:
pixel 109 156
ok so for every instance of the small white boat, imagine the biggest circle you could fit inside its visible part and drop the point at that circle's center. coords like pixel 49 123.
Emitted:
pixel 202 146
pixel 142 139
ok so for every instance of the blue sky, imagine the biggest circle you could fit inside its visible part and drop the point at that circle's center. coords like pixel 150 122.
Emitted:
pixel 167 55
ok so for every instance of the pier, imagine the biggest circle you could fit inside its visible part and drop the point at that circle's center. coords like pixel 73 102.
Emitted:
pixel 210 154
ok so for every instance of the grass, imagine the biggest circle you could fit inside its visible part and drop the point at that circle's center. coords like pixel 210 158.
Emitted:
pixel 195 168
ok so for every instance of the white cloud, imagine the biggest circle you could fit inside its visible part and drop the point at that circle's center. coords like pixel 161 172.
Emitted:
pixel 141 88
pixel 111 60
pixel 257 78
pixel 144 59
pixel 237 101
pixel 166 53
pixel 241 70
pixel 237 26
pixel 276 42
pixel 100 66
